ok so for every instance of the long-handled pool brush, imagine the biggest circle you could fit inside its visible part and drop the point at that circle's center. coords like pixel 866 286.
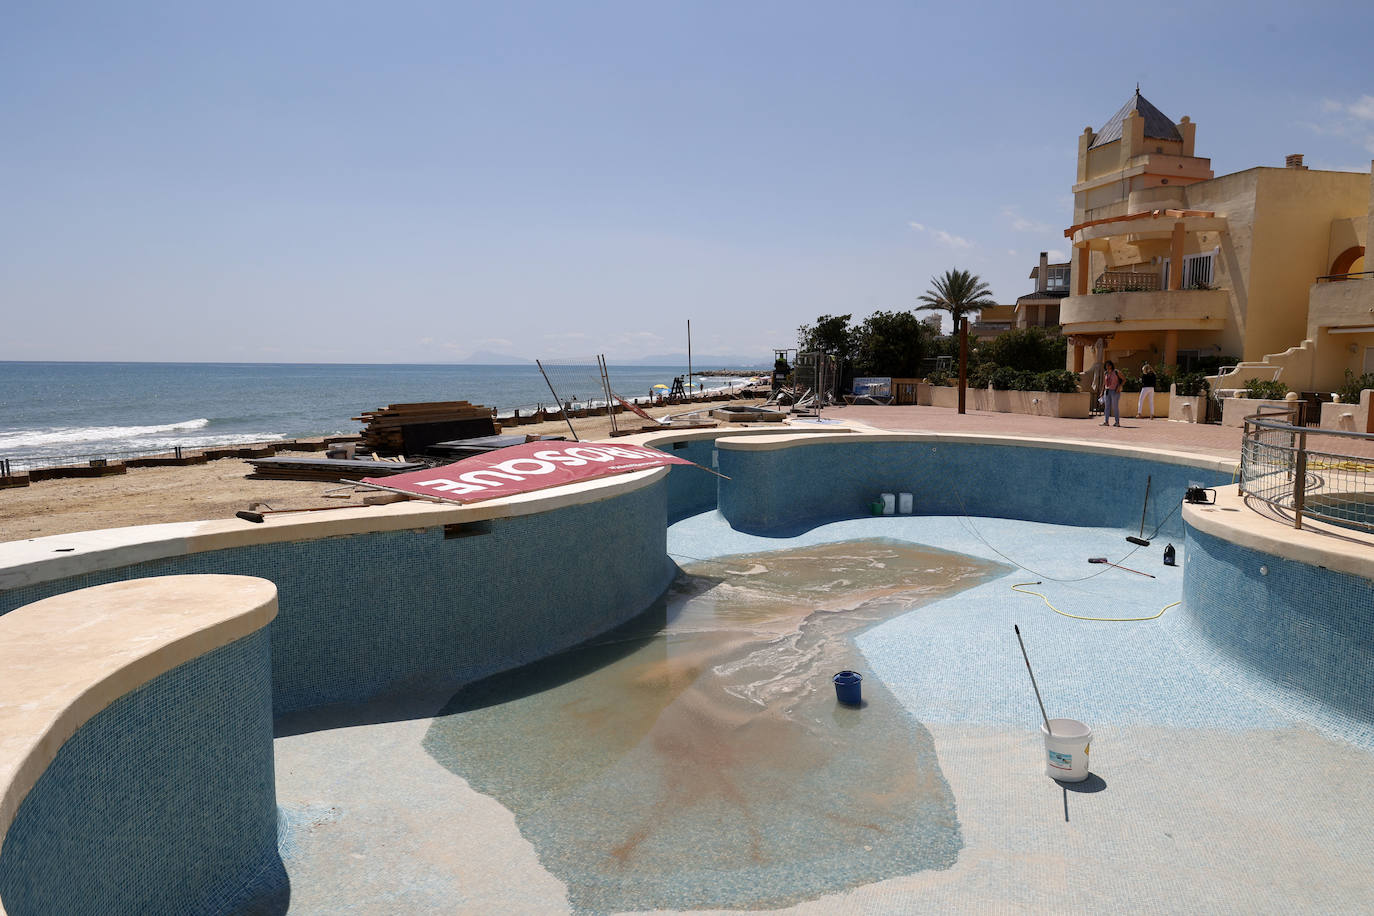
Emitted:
pixel 1034 686
pixel 1141 540
pixel 1104 560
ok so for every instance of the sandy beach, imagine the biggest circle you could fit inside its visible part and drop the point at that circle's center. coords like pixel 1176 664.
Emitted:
pixel 146 496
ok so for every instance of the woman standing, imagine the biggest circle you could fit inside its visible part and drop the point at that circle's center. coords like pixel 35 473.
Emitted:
pixel 1111 390
pixel 1147 390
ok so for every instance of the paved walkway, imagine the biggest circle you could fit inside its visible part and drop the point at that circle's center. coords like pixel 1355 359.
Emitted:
pixel 1221 441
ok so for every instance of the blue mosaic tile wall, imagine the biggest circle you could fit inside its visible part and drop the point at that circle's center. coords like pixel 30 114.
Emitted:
pixel 162 803
pixel 362 615
pixel 1308 629
pixel 786 491
pixel 691 490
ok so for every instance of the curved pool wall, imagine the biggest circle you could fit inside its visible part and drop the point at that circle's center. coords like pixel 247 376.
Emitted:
pixel 781 485
pixel 362 614
pixel 1293 608
pixel 120 820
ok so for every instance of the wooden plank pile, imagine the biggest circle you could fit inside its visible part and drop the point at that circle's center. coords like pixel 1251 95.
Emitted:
pixel 330 470
pixel 436 421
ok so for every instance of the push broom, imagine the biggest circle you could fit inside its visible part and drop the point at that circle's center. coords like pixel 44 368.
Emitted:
pixel 1141 540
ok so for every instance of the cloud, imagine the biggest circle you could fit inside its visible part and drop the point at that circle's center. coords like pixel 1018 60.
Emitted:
pixel 943 237
pixel 952 241
pixel 1057 256
pixel 1352 120
pixel 1363 108
pixel 1021 224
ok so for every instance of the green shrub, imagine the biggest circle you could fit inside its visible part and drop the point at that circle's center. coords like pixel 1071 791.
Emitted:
pixel 1057 381
pixel 1265 390
pixel 981 375
pixel 1005 378
pixel 941 377
pixel 1027 348
pixel 1163 377
pixel 1191 384
pixel 1129 383
pixel 1352 386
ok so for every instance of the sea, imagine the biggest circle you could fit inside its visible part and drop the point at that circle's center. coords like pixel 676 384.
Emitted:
pixel 67 409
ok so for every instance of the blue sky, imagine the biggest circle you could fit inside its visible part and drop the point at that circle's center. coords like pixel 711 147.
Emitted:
pixel 411 182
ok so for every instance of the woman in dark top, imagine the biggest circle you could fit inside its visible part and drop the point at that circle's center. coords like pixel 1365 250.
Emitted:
pixel 1147 390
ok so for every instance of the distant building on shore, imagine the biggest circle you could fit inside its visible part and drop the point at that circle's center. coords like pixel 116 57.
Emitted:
pixel 992 321
pixel 1171 263
pixel 1040 309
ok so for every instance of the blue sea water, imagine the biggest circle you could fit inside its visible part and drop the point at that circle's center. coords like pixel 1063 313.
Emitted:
pixel 60 409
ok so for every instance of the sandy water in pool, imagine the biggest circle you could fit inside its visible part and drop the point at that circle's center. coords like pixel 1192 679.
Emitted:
pixel 696 757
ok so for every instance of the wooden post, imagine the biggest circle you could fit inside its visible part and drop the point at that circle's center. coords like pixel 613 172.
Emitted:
pixel 963 360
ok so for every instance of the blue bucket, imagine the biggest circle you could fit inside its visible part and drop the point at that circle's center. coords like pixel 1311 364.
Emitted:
pixel 848 689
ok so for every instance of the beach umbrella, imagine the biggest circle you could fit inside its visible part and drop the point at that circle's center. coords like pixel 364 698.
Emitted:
pixel 656 387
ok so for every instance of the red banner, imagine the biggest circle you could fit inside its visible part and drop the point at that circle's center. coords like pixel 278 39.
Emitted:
pixel 522 468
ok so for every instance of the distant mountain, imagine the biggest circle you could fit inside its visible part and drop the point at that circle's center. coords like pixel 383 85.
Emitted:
pixel 701 361
pixel 488 358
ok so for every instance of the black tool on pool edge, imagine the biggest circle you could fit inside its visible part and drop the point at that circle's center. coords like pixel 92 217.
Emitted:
pixel 248 515
pixel 1141 540
pixel 1034 686
pixel 1198 496
pixel 1104 560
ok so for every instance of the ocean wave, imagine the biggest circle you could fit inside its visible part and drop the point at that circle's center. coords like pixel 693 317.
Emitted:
pixel 208 441
pixel 35 440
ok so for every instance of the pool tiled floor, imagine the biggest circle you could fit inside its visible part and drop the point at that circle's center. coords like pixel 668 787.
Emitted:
pixel 1212 791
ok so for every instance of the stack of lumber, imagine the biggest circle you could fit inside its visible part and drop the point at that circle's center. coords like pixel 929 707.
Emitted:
pixel 434 421
pixel 327 469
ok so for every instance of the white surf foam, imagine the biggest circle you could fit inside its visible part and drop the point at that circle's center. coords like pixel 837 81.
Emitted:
pixel 58 437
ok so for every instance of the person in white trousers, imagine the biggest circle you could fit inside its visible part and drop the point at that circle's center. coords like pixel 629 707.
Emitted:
pixel 1147 390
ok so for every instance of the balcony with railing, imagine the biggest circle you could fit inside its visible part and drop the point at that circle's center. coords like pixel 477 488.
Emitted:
pixel 1145 310
pixel 1126 281
pixel 1342 303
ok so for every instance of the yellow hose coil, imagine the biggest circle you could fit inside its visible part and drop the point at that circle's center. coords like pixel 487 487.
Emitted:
pixel 1025 591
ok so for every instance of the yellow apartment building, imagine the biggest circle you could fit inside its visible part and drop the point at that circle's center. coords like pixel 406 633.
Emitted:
pixel 1171 263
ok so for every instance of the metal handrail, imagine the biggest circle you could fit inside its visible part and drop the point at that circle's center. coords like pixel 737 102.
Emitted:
pixel 1333 277
pixel 1262 420
pixel 1278 474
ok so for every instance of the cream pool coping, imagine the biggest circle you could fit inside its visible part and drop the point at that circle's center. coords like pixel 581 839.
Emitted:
pixel 821 437
pixel 656 437
pixel 1315 544
pixel 59 556
pixel 68 657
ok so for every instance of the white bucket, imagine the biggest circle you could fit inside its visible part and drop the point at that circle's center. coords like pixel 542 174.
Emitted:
pixel 889 503
pixel 904 503
pixel 1066 751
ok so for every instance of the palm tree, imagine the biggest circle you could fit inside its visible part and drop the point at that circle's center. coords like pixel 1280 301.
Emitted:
pixel 957 292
